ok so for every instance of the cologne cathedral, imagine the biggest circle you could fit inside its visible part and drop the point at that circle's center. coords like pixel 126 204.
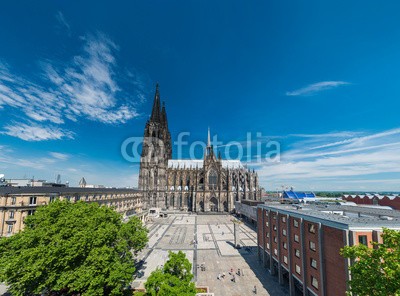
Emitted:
pixel 210 184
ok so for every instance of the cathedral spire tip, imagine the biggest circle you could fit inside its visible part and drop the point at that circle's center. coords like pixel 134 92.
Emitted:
pixel 156 112
pixel 208 138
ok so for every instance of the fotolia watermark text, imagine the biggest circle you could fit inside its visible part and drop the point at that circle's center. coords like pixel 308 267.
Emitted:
pixel 255 149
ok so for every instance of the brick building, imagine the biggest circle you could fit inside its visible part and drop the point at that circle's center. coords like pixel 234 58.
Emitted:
pixel 301 244
pixel 392 201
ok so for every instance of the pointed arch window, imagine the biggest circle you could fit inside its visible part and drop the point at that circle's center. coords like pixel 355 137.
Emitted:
pixel 213 179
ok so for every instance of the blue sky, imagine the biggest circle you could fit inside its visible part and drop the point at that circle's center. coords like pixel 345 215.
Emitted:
pixel 319 77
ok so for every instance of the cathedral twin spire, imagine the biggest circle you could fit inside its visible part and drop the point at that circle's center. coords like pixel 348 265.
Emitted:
pixel 158 114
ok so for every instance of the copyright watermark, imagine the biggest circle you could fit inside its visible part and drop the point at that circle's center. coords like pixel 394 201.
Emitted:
pixel 255 149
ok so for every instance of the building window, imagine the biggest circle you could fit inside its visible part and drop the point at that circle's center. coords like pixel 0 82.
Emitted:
pixel 32 200
pixel 295 223
pixel 297 253
pixel 53 198
pixel 312 246
pixel 314 282
pixel 284 232
pixel 362 239
pixel 311 228
pixel 275 251
pixel 267 234
pixel 267 245
pixel 266 224
pixel 274 227
pixel 275 239
pixel 283 219
pixel 212 180
pixel 296 238
pixel 274 217
pixel 284 244
pixel 298 270
pixel 13 200
pixel 11 215
pixel 10 228
pixel 68 198
pixel 285 259
pixel 31 212
pixel 313 263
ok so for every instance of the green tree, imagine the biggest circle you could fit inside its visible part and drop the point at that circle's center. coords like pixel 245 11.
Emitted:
pixel 376 271
pixel 174 279
pixel 179 266
pixel 74 248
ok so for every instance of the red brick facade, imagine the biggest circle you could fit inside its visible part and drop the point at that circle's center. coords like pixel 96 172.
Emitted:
pixel 393 201
pixel 335 269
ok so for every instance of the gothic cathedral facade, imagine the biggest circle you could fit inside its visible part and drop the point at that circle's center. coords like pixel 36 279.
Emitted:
pixel 210 184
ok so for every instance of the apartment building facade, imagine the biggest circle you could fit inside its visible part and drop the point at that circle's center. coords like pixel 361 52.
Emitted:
pixel 301 244
pixel 16 203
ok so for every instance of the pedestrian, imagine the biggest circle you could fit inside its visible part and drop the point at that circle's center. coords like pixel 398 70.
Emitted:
pixel 223 275
pixel 234 279
pixel 255 290
pixel 219 276
pixel 238 272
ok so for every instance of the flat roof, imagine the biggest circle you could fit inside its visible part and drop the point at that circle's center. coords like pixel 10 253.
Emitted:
pixel 61 190
pixel 341 216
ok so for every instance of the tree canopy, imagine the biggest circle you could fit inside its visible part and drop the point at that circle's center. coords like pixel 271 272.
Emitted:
pixel 174 279
pixel 74 248
pixel 376 271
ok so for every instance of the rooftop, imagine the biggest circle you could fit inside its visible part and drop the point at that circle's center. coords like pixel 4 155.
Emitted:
pixel 198 163
pixel 297 195
pixel 341 216
pixel 61 190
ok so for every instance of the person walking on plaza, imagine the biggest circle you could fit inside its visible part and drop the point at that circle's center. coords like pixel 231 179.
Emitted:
pixel 255 290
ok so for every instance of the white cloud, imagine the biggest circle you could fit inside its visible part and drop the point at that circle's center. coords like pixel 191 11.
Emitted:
pixel 59 156
pixel 87 87
pixel 36 132
pixel 316 87
pixel 328 165
pixel 62 21
pixel 47 165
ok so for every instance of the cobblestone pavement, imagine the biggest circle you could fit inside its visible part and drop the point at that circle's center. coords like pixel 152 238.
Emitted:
pixel 214 250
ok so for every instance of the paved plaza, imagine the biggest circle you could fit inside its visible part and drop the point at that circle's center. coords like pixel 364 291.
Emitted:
pixel 214 249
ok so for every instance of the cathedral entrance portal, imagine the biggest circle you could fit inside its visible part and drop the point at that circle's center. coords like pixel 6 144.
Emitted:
pixel 213 204
pixel 201 206
pixel 190 203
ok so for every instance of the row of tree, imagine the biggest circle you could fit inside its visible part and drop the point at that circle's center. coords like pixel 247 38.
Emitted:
pixel 85 249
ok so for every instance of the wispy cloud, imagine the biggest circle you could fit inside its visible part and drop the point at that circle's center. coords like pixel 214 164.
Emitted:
pixel 339 162
pixel 60 156
pixel 36 132
pixel 45 165
pixel 314 88
pixel 87 87
pixel 62 22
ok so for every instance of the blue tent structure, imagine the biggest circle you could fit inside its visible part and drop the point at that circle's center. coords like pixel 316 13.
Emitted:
pixel 293 196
